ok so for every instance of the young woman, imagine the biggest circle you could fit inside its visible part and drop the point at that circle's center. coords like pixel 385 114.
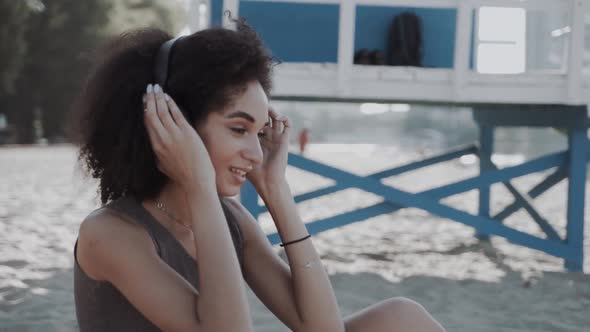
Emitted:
pixel 169 248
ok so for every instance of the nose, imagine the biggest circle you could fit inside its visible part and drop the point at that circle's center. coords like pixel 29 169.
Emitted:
pixel 253 152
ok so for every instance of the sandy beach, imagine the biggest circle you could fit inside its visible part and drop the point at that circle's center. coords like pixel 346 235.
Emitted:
pixel 466 284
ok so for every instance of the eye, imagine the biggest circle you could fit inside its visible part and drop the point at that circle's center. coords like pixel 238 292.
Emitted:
pixel 240 131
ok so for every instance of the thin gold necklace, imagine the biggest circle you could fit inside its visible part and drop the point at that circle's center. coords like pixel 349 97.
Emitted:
pixel 169 214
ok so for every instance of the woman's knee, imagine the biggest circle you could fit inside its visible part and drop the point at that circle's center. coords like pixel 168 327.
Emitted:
pixel 407 313
pixel 401 305
pixel 397 314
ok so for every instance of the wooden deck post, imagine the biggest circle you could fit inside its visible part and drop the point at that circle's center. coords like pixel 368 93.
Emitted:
pixel 578 145
pixel 486 149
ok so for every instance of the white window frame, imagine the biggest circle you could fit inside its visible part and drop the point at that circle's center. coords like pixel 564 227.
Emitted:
pixel 517 41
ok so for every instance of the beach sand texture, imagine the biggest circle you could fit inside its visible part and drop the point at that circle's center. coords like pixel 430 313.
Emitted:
pixel 465 284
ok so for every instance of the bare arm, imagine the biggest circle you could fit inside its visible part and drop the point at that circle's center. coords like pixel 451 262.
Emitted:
pixel 268 275
pixel 306 288
pixel 222 304
pixel 313 294
pixel 183 157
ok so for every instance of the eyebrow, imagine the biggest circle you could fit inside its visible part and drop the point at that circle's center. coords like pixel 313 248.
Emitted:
pixel 243 115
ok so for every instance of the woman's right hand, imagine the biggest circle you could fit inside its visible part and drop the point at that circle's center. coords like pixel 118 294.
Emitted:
pixel 180 151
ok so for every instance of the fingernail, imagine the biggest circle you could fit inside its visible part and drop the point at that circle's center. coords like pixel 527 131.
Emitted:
pixel 157 88
pixel 167 97
pixel 150 88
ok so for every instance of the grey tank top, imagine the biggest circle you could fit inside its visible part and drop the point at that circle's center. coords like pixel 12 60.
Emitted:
pixel 101 307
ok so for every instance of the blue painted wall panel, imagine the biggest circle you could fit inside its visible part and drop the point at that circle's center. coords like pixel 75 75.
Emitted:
pixel 373 23
pixel 296 32
pixel 309 32
pixel 216 12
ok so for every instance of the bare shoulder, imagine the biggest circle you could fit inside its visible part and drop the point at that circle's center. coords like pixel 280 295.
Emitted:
pixel 106 239
pixel 238 210
pixel 249 226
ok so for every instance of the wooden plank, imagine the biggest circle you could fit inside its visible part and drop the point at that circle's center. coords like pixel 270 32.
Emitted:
pixel 391 172
pixel 526 202
pixel 446 156
pixel 486 142
pixel 346 29
pixel 557 116
pixel 536 191
pixel 404 199
pixel 491 177
pixel 233 7
pixel 505 174
pixel 578 145
pixel 551 247
pixel 319 226
pixel 576 51
pixel 324 87
pixel 531 5
pixel 462 47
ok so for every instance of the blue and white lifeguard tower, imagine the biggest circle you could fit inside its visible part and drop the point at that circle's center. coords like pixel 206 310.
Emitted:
pixel 514 62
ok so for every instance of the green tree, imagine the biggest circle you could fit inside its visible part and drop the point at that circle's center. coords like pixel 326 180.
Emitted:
pixel 13 46
pixel 53 67
pixel 163 14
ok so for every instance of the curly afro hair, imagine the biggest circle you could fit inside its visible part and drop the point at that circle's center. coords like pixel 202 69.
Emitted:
pixel 207 70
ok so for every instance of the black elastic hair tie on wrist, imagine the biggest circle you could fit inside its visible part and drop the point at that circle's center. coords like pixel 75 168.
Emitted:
pixel 295 241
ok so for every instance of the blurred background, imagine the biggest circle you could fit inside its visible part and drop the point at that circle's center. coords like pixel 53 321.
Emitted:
pixel 45 46
pixel 45 54
pixel 44 49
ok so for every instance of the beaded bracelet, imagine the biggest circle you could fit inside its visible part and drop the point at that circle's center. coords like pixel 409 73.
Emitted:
pixel 295 241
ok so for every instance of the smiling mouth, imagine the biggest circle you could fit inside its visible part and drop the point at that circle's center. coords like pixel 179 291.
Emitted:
pixel 238 171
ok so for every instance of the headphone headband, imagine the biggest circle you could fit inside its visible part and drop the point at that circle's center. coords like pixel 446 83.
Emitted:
pixel 163 61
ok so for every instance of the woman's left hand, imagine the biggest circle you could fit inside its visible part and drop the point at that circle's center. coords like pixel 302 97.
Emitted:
pixel 275 149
